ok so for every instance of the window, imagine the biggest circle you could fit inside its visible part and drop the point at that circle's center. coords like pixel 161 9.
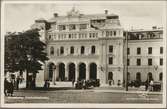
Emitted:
pixel 62 27
pixel 149 61
pixel 83 26
pixel 160 76
pixel 72 50
pixel 82 49
pixel 72 27
pixel 110 76
pixel 110 49
pixel 149 50
pixel 93 49
pixel 107 33
pixel 51 50
pixel 110 33
pixel 61 50
pixel 114 33
pixel 138 62
pixel 161 50
pixel 128 51
pixel 69 35
pixel 128 62
pixel 138 50
pixel 138 76
pixel 161 61
pixel 110 60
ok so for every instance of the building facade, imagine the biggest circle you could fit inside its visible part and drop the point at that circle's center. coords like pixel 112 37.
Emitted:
pixel 93 47
pixel 145 54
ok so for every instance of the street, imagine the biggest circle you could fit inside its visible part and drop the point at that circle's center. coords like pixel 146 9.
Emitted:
pixel 94 95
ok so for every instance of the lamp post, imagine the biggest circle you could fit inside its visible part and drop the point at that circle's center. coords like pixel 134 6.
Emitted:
pixel 28 68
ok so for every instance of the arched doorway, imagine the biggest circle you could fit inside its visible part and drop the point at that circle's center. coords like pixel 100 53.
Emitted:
pixel 149 76
pixel 51 70
pixel 82 71
pixel 71 73
pixel 61 72
pixel 93 71
pixel 110 76
pixel 138 76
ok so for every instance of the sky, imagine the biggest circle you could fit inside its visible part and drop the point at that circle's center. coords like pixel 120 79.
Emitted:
pixel 133 14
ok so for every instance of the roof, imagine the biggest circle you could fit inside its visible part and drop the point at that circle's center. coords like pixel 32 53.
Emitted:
pixel 81 17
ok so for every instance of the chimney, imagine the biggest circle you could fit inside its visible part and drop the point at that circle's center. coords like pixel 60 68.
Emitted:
pixel 106 11
pixel 55 14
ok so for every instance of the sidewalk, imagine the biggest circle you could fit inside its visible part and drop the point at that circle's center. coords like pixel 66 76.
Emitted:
pixel 116 89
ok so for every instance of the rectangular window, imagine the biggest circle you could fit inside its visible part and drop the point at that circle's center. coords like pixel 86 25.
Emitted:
pixel 138 62
pixel 128 62
pixel 114 33
pixel 138 50
pixel 161 61
pixel 110 49
pixel 161 50
pixel 83 26
pixel 128 51
pixel 149 50
pixel 110 60
pixel 149 61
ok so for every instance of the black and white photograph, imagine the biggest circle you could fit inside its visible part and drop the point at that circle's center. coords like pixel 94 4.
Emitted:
pixel 83 54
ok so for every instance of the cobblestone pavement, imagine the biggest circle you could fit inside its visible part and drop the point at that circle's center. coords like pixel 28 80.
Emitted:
pixel 94 95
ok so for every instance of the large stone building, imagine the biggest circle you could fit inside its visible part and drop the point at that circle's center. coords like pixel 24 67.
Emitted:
pixel 145 54
pixel 83 46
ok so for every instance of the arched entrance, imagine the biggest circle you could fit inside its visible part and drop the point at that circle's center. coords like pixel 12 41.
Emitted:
pixel 110 76
pixel 93 71
pixel 149 76
pixel 71 73
pixel 82 71
pixel 61 72
pixel 51 70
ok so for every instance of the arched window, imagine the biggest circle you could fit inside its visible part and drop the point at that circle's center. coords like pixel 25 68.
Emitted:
pixel 82 49
pixel 52 50
pixel 160 76
pixel 61 50
pixel 72 50
pixel 138 76
pixel 93 49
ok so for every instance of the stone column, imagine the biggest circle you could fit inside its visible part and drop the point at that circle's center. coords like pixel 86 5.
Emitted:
pixel 87 72
pixel 66 71
pixel 77 72
pixel 57 72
